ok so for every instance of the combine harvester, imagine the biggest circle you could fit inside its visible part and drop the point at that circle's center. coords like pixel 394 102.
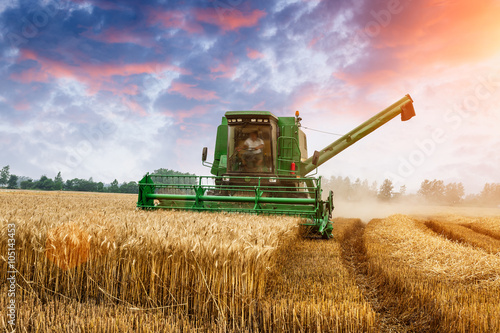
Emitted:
pixel 261 166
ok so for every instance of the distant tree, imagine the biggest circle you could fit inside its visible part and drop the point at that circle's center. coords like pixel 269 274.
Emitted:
pixel 433 191
pixel 130 187
pixel 340 186
pixel 490 195
pixel 20 179
pixel 89 185
pixel 168 172
pixel 77 184
pixel 365 187
pixel 454 193
pixel 374 188
pixel 4 175
pixel 356 190
pixel 68 186
pixel 44 183
pixel 100 187
pixel 27 184
pixel 114 187
pixel 12 183
pixel 346 190
pixel 58 182
pixel 385 192
pixel 425 189
pixel 402 190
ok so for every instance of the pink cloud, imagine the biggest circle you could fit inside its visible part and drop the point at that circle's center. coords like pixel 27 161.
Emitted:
pixel 230 20
pixel 182 115
pixel 174 19
pixel 95 76
pixel 254 54
pixel 115 36
pixel 22 106
pixel 225 69
pixel 190 91
pixel 315 40
pixel 259 106
pixel 30 75
pixel 134 106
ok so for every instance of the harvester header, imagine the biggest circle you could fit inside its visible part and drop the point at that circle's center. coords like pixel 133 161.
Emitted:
pixel 260 166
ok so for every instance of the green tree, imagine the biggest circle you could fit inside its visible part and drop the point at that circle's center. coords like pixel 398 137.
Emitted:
pixel 4 175
pixel 12 183
pixel 68 186
pixel 385 192
pixel 27 184
pixel 168 172
pixel 45 184
pixel 58 182
pixel 114 187
pixel 130 187
pixel 84 185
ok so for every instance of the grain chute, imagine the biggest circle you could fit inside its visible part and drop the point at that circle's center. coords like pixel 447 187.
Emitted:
pixel 261 166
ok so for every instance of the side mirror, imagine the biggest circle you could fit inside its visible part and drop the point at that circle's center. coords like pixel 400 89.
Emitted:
pixel 204 154
pixel 315 158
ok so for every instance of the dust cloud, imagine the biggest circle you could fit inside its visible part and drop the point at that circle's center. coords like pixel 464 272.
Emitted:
pixel 366 210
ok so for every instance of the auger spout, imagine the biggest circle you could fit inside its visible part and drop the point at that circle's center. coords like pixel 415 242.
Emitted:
pixel 404 107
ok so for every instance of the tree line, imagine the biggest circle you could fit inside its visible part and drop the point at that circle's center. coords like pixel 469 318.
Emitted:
pixel 431 191
pixel 45 183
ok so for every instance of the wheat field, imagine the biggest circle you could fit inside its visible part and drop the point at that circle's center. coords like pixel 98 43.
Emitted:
pixel 88 262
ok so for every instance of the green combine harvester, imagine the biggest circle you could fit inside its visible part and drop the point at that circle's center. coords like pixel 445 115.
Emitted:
pixel 261 166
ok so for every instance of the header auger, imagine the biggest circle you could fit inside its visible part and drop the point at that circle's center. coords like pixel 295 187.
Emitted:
pixel 260 166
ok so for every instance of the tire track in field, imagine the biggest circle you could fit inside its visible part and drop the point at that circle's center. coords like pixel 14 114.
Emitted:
pixel 479 238
pixel 482 231
pixel 308 277
pixel 378 289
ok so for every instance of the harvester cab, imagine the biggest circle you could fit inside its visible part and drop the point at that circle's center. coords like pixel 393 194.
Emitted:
pixel 261 166
pixel 251 143
pixel 257 143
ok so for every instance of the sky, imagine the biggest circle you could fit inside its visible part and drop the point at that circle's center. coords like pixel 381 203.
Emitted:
pixel 115 89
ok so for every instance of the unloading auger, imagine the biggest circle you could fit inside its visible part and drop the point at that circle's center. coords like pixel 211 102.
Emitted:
pixel 261 166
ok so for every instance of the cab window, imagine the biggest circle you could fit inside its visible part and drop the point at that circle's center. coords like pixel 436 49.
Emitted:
pixel 250 149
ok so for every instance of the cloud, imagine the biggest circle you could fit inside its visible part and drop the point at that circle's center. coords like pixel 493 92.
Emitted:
pixel 175 19
pixel 254 54
pixel 191 91
pixel 96 76
pixel 22 106
pixel 230 19
pixel 181 116
pixel 119 35
pixel 224 69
